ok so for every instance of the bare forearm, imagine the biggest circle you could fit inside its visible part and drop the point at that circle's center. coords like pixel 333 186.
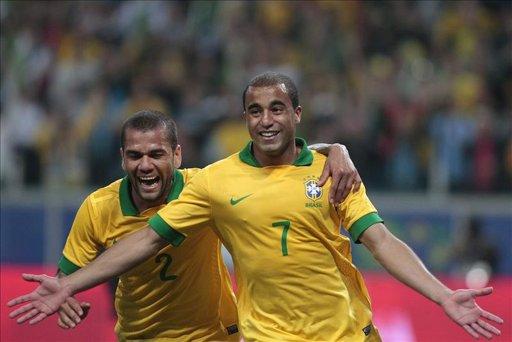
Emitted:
pixel 124 255
pixel 401 262
pixel 324 148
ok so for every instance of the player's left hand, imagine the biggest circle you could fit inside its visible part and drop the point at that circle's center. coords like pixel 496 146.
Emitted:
pixel 69 313
pixel 461 307
pixel 344 174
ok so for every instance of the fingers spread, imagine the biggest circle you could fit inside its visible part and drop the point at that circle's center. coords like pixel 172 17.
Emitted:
pixel 21 299
pixel 344 188
pixel 357 182
pixel 483 292
pixel 480 330
pixel 27 316
pixel 470 331
pixel 489 327
pixel 38 318
pixel 490 316
pixel 21 310
pixel 324 176
pixel 33 277
pixel 66 321
pixel 68 315
pixel 75 307
pixel 61 324
pixel 334 189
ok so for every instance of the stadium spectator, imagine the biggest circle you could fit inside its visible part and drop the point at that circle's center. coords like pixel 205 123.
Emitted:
pixel 431 66
pixel 473 247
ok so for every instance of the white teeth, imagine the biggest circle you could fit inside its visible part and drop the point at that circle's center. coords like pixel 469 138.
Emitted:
pixel 148 178
pixel 149 181
pixel 269 133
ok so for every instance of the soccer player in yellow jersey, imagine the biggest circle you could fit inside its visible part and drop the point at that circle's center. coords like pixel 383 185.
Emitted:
pixel 294 270
pixel 178 293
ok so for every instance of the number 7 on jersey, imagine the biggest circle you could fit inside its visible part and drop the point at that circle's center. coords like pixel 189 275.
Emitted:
pixel 286 226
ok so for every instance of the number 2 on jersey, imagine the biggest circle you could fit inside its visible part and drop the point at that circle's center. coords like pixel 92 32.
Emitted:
pixel 286 226
pixel 167 263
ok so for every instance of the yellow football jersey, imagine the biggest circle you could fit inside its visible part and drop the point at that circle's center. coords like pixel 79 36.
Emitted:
pixel 294 269
pixel 182 293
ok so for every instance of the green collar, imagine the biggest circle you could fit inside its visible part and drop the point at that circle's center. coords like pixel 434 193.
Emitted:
pixel 125 199
pixel 305 157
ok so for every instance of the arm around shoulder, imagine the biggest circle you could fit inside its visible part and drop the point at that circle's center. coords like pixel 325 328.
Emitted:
pixel 340 168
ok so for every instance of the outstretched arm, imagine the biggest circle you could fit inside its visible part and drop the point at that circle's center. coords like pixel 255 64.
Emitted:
pixel 340 168
pixel 53 292
pixel 401 262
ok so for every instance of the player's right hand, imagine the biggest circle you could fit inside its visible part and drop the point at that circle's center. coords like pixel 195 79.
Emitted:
pixel 44 301
pixel 69 313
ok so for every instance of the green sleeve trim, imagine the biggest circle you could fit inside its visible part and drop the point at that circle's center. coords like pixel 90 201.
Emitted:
pixel 66 266
pixel 362 224
pixel 172 236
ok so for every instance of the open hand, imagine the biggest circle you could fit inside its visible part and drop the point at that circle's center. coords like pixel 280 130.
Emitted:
pixel 44 301
pixel 461 307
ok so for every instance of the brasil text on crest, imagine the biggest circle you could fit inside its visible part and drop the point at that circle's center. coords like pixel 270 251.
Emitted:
pixel 313 192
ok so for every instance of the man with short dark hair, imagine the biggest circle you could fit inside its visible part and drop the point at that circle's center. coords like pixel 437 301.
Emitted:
pixel 153 300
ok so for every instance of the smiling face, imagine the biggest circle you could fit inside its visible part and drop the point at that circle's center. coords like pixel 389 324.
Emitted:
pixel 149 162
pixel 271 121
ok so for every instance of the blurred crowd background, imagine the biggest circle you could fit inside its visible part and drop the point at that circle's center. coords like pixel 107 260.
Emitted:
pixel 419 91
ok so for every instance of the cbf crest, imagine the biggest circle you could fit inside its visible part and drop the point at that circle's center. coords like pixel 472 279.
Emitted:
pixel 312 190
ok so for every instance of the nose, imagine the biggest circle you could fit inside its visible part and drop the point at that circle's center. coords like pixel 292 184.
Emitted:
pixel 145 164
pixel 267 119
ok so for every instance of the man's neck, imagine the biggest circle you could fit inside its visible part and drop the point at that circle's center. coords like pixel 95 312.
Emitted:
pixel 143 205
pixel 287 157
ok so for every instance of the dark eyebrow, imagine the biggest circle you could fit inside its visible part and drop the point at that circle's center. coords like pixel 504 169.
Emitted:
pixel 277 102
pixel 253 105
pixel 156 150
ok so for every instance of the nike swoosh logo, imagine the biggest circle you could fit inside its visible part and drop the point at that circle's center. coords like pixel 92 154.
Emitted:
pixel 235 201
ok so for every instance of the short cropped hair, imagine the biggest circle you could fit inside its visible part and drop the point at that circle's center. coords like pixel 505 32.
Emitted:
pixel 148 120
pixel 270 79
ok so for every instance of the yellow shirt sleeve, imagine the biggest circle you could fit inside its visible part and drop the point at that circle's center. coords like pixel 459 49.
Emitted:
pixel 357 213
pixel 189 173
pixel 81 246
pixel 191 211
